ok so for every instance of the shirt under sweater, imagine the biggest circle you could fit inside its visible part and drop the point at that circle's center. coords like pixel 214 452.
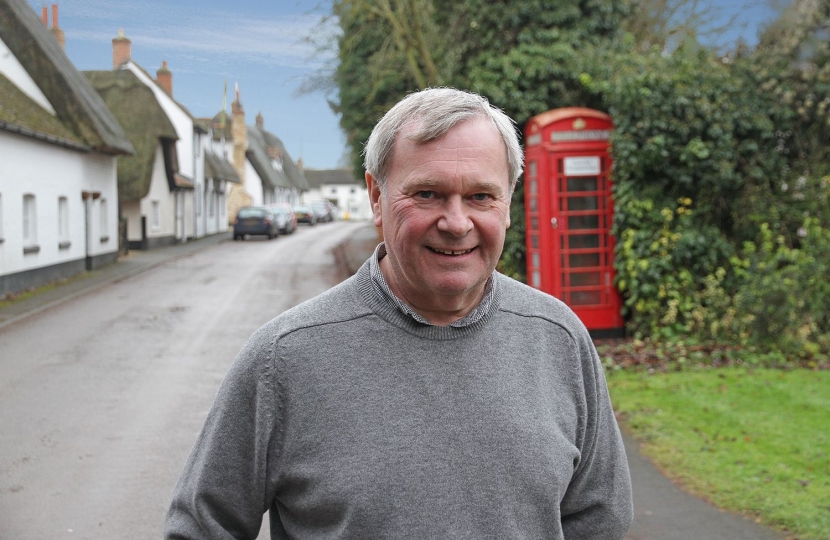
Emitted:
pixel 346 418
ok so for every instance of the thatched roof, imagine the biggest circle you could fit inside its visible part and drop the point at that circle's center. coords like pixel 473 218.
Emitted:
pixel 144 121
pixel 257 154
pixel 76 104
pixel 327 177
pixel 217 125
pixel 218 168
pixel 276 150
pixel 20 114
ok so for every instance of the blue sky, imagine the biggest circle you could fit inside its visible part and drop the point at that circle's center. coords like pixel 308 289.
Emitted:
pixel 259 44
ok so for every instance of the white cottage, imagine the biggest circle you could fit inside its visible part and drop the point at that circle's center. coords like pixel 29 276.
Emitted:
pixel 174 206
pixel 59 145
pixel 339 186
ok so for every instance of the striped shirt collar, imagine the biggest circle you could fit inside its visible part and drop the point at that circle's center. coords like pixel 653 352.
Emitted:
pixel 382 289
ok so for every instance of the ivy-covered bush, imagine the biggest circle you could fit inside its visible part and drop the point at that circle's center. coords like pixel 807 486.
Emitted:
pixel 714 178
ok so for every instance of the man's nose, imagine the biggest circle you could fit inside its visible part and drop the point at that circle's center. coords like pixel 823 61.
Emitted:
pixel 455 219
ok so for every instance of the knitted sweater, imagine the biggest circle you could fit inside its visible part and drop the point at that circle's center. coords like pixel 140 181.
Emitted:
pixel 347 419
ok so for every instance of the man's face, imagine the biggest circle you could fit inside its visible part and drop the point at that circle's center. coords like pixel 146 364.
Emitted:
pixel 444 211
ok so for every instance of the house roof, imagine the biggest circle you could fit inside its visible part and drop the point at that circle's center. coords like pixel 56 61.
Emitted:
pixel 218 168
pixel 20 114
pixel 160 87
pixel 276 150
pixel 77 106
pixel 216 124
pixel 326 177
pixel 258 156
pixel 145 122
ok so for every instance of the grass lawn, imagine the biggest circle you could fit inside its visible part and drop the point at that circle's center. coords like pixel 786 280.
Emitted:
pixel 756 441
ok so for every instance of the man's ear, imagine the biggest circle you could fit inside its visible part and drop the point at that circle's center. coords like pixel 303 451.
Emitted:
pixel 374 199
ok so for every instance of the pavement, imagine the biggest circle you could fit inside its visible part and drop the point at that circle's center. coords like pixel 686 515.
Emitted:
pixel 662 511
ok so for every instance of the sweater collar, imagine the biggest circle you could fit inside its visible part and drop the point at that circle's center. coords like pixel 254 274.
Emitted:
pixel 376 293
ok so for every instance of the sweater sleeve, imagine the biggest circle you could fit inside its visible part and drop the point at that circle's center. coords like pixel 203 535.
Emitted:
pixel 598 503
pixel 226 485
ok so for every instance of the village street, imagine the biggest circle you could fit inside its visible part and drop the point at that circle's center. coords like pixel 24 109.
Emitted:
pixel 103 396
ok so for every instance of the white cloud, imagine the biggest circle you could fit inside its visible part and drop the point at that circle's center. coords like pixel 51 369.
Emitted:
pixel 210 34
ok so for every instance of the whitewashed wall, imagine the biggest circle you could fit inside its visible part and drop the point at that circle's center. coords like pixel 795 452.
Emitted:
pixel 48 171
pixel 159 191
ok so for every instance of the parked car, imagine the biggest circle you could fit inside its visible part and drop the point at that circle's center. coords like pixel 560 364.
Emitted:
pixel 286 219
pixel 324 211
pixel 305 215
pixel 255 220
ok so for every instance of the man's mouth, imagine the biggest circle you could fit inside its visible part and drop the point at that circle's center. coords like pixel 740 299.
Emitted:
pixel 451 252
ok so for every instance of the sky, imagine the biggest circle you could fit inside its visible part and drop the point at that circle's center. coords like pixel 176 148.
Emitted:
pixel 260 45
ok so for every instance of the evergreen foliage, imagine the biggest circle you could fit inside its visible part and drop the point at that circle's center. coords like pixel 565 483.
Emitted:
pixel 721 161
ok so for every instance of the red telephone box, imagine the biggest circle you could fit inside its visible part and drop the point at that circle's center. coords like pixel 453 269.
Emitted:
pixel 569 211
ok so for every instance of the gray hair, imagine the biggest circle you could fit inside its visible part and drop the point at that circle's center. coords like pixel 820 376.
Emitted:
pixel 430 114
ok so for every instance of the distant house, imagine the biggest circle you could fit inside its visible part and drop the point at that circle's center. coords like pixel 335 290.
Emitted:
pixel 171 215
pixel 340 187
pixel 59 145
pixel 151 189
pixel 263 166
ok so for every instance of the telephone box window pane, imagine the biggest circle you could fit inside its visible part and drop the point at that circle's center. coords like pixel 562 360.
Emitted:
pixel 534 241
pixel 532 168
pixel 564 284
pixel 534 223
pixel 583 222
pixel 584 279
pixel 586 298
pixel 588 183
pixel 536 262
pixel 583 260
pixel 537 279
pixel 561 242
pixel 584 241
pixel 533 204
pixel 533 187
pixel 583 203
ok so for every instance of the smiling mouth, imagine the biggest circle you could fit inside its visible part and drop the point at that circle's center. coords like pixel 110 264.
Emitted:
pixel 451 252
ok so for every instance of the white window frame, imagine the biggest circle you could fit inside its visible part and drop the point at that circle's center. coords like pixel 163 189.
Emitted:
pixel 104 221
pixel 30 224
pixel 155 216
pixel 63 222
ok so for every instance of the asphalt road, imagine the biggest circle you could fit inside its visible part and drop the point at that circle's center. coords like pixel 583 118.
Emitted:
pixel 103 396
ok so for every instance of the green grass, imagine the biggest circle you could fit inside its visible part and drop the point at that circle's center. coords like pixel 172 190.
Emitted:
pixel 752 441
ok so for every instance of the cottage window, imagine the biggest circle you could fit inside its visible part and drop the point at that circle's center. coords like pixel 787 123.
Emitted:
pixel 29 224
pixel 156 223
pixel 103 221
pixel 63 223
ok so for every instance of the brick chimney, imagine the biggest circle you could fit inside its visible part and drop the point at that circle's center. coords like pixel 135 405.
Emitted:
pixel 260 121
pixel 56 31
pixel 165 78
pixel 44 14
pixel 120 49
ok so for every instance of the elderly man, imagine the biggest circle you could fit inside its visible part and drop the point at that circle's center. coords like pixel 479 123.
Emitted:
pixel 428 396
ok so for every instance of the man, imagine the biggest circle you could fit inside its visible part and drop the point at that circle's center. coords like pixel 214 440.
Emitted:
pixel 427 396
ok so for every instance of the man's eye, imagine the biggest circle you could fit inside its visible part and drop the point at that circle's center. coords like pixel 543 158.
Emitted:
pixel 481 197
pixel 425 194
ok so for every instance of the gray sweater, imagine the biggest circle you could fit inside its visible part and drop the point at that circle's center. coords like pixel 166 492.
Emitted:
pixel 347 419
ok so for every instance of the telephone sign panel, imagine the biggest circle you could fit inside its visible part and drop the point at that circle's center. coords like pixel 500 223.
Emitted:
pixel 569 213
